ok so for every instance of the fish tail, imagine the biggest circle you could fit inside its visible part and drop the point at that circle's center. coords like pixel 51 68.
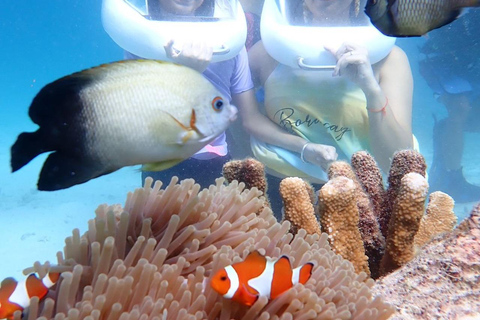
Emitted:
pixel 62 170
pixel 305 272
pixel 26 148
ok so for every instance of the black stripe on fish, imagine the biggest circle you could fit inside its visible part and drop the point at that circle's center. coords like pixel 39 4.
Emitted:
pixel 58 111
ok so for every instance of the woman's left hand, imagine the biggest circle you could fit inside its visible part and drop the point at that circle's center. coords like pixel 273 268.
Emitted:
pixel 353 63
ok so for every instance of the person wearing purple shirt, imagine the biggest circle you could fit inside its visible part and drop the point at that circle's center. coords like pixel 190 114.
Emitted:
pixel 231 77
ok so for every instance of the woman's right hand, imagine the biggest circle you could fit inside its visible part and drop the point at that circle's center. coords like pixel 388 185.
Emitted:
pixel 320 154
pixel 195 55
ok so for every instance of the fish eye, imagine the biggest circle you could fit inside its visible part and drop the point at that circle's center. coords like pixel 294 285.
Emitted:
pixel 223 278
pixel 374 2
pixel 217 104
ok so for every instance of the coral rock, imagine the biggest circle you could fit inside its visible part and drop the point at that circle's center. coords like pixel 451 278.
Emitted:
pixel 403 162
pixel 439 218
pixel 339 219
pixel 298 207
pixel 249 171
pixel 373 240
pixel 370 177
pixel 443 281
pixel 405 221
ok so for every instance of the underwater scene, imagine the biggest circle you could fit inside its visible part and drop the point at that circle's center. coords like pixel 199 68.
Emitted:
pixel 349 191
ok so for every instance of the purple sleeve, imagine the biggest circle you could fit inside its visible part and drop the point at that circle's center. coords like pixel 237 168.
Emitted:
pixel 241 79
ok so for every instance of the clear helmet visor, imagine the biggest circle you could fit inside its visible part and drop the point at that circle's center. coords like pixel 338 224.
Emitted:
pixel 144 27
pixel 185 10
pixel 296 32
pixel 321 13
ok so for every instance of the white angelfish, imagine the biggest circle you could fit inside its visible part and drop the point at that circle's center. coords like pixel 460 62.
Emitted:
pixel 120 114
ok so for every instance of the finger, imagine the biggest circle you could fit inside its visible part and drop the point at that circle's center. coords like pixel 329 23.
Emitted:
pixel 349 58
pixel 209 53
pixel 188 49
pixel 169 48
pixel 333 156
pixel 205 52
pixel 341 51
pixel 350 46
pixel 332 50
pixel 342 63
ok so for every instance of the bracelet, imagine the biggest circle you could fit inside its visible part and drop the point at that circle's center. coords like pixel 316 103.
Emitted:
pixel 303 152
pixel 382 110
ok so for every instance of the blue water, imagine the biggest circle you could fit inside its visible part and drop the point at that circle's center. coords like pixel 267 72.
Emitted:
pixel 44 40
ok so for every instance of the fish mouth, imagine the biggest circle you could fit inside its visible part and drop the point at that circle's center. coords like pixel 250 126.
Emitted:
pixel 233 113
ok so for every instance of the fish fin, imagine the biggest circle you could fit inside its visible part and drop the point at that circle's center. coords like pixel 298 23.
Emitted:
pixel 28 146
pixel 8 281
pixel 282 275
pixel 35 286
pixel 305 272
pixel 246 295
pixel 7 287
pixel 255 258
pixel 61 171
pixel 56 109
pixel 161 165
pixel 53 276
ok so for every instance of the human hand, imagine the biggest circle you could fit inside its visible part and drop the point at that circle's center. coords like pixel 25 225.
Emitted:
pixel 196 55
pixel 320 154
pixel 353 63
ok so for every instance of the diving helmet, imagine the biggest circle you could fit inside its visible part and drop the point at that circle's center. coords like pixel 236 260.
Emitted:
pixel 292 40
pixel 141 28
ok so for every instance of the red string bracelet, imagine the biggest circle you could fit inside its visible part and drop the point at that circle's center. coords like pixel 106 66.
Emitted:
pixel 382 110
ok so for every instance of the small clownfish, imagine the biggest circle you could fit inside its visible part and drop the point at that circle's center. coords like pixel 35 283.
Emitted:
pixel 258 276
pixel 16 295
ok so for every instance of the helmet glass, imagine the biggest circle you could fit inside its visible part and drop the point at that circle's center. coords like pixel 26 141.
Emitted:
pixel 185 10
pixel 323 13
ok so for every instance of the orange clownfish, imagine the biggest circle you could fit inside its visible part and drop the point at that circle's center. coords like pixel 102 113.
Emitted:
pixel 16 295
pixel 258 276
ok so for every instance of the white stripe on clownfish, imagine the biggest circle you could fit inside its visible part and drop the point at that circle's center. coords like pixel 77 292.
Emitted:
pixel 296 275
pixel 20 295
pixel 263 283
pixel 234 282
pixel 16 295
pixel 47 282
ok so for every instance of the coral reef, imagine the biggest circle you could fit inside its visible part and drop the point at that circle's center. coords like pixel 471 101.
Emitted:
pixel 339 220
pixel 373 240
pixel 152 259
pixel 297 204
pixel 439 218
pixel 405 221
pixel 249 171
pixel 370 178
pixel 373 207
pixel 443 280
pixel 403 162
pixel 404 200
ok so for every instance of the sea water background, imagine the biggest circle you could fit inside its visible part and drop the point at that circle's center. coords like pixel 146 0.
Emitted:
pixel 45 40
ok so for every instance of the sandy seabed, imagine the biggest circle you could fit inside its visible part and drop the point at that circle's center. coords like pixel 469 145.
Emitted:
pixel 34 224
